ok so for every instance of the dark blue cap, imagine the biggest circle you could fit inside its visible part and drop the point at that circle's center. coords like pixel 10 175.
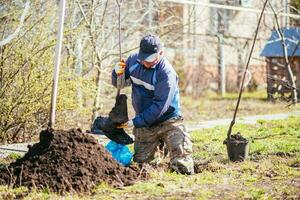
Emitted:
pixel 149 45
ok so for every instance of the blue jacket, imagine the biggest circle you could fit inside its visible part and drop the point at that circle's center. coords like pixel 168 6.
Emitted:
pixel 155 92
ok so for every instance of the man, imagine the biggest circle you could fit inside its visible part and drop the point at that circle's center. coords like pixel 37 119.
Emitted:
pixel 155 99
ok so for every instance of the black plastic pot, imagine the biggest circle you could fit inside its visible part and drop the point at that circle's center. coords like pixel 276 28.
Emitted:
pixel 237 150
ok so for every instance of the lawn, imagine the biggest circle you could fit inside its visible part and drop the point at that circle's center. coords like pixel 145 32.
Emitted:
pixel 271 172
pixel 194 110
pixel 213 106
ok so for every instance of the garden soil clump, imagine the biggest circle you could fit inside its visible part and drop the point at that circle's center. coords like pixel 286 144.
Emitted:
pixel 68 161
pixel 119 113
pixel 237 138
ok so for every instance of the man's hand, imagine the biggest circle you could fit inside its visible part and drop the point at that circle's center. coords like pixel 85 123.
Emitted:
pixel 128 124
pixel 120 67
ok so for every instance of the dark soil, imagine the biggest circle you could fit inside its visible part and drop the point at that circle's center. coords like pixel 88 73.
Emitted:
pixel 282 154
pixel 68 161
pixel 201 166
pixel 119 113
pixel 104 125
pixel 295 165
pixel 108 126
pixel 237 138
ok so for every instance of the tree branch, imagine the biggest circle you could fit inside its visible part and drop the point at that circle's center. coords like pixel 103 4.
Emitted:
pixel 15 33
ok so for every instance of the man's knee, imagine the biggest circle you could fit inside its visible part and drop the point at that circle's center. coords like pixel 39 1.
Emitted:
pixel 179 144
pixel 144 153
pixel 144 145
pixel 180 147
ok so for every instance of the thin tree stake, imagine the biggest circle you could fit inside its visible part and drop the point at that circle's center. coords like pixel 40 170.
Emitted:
pixel 62 5
pixel 244 75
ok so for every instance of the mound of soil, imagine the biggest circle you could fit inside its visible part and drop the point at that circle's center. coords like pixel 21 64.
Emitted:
pixel 68 161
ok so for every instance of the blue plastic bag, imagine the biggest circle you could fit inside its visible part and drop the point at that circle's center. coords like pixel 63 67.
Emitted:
pixel 111 146
pixel 119 152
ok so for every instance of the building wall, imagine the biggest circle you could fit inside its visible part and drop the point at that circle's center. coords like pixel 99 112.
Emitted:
pixel 200 44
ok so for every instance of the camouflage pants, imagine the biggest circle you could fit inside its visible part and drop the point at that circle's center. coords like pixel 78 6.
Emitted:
pixel 176 139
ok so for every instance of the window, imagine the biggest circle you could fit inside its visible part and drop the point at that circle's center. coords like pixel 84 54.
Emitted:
pixel 245 3
pixel 220 18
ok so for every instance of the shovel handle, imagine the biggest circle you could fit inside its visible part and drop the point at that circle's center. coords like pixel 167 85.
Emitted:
pixel 119 81
pixel 119 84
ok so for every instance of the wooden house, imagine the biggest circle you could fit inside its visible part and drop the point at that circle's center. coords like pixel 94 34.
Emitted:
pixel 278 84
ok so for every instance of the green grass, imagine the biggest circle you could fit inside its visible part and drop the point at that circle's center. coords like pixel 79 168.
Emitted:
pixel 266 137
pixel 213 106
pixel 271 172
pixel 259 94
pixel 14 156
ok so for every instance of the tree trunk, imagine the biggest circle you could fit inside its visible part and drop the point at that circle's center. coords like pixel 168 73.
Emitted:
pixel 290 74
pixel 78 69
pixel 286 59
pixel 96 106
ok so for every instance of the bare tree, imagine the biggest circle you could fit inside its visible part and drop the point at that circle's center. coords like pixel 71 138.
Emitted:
pixel 15 33
pixel 286 59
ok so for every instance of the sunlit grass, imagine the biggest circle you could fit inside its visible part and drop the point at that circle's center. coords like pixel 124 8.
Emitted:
pixel 213 106
pixel 258 94
pixel 270 172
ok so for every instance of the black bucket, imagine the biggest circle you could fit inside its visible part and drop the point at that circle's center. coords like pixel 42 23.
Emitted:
pixel 237 149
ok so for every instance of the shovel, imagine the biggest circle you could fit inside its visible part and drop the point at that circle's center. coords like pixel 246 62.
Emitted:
pixel 119 113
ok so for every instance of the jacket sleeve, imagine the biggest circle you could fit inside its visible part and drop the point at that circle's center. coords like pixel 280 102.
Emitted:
pixel 164 91
pixel 127 81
